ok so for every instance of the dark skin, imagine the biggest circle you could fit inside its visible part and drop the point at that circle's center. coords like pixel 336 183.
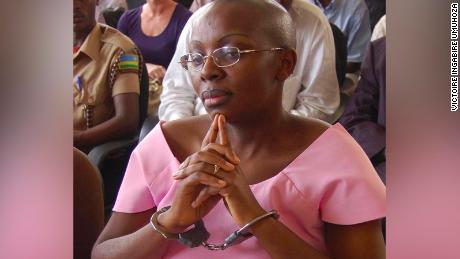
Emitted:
pixel 123 124
pixel 83 19
pixel 126 118
pixel 250 141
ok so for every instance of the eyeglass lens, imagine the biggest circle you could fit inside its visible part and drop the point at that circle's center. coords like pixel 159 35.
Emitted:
pixel 223 57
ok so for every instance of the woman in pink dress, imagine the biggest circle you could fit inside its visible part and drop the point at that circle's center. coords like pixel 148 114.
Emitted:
pixel 248 180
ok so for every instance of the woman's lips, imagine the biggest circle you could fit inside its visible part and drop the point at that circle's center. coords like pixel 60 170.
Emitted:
pixel 214 97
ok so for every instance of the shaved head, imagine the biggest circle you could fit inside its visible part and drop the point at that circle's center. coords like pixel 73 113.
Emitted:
pixel 251 84
pixel 266 17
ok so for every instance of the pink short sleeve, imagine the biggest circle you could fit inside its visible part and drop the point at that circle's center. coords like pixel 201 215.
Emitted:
pixel 134 194
pixel 148 177
pixel 352 201
pixel 357 195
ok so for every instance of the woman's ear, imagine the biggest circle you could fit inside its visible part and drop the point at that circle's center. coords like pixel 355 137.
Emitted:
pixel 288 61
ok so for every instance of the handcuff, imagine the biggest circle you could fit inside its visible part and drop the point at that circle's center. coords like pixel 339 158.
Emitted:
pixel 199 235
pixel 191 238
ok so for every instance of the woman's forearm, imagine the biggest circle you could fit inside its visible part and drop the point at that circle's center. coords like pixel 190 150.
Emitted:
pixel 144 243
pixel 281 242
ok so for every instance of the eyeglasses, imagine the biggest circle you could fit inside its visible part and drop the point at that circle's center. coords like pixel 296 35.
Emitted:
pixel 223 57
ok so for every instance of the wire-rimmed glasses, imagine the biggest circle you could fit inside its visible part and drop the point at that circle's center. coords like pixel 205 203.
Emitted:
pixel 222 57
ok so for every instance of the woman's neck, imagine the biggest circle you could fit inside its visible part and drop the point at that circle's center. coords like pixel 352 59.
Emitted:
pixel 158 7
pixel 257 134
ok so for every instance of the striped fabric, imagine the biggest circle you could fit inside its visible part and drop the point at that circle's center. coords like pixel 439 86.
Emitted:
pixel 128 63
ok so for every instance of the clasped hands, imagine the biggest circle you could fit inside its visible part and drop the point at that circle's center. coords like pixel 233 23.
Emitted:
pixel 201 187
pixel 156 72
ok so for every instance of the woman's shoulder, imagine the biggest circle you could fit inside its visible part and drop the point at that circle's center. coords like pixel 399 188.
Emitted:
pixel 128 19
pixel 334 140
pixel 333 143
pixel 184 136
pixel 135 11
pixel 171 141
pixel 193 125
pixel 182 11
pixel 333 161
pixel 132 13
pixel 181 15
pixel 309 129
pixel 326 134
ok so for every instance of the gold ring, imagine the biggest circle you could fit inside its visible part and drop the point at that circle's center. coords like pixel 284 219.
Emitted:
pixel 216 169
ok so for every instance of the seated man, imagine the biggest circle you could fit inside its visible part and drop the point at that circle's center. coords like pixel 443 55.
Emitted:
pixel 364 117
pixel 312 90
pixel 352 17
pixel 106 68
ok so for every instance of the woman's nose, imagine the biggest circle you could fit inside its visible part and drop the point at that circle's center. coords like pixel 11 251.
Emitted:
pixel 210 70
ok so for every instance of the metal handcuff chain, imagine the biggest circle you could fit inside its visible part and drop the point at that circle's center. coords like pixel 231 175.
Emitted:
pixel 199 235
pixel 241 234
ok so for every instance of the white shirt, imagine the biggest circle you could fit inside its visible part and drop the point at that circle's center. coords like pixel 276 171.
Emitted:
pixel 380 29
pixel 312 90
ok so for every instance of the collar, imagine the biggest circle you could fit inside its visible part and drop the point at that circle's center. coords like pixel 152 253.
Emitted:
pixel 92 43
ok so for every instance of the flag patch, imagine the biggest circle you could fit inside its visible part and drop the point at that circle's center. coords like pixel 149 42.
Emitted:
pixel 128 63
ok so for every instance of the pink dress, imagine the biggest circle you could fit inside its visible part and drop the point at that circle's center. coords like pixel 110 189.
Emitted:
pixel 331 181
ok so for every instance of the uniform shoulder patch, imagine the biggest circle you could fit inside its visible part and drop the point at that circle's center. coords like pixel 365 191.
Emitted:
pixel 128 63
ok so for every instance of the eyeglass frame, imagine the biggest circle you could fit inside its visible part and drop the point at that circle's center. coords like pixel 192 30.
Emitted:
pixel 225 47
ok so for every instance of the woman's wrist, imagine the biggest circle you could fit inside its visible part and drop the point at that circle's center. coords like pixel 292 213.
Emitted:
pixel 250 215
pixel 168 224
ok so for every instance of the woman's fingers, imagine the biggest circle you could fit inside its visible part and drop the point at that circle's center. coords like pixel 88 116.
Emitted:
pixel 208 163
pixel 204 194
pixel 223 136
pixel 205 179
pixel 215 154
pixel 211 135
pixel 225 151
pixel 185 163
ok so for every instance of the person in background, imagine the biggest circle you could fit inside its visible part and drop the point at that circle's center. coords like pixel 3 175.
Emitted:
pixel 311 91
pixel 380 29
pixel 109 4
pixel 302 188
pixel 352 17
pixel 364 117
pixel 185 3
pixel 199 3
pixel 377 9
pixel 106 69
pixel 155 28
